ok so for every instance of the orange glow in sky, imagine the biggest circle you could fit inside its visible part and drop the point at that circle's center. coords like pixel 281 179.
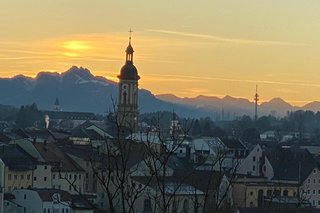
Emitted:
pixel 207 47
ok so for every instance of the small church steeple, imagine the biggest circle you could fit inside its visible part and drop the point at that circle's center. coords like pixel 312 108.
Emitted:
pixel 56 106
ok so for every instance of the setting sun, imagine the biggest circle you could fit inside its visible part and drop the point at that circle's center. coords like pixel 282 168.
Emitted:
pixel 76 45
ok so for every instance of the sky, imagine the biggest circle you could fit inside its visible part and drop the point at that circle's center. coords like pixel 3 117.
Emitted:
pixel 184 47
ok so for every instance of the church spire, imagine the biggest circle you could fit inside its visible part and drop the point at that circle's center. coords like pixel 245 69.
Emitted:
pixel 128 92
pixel 129 50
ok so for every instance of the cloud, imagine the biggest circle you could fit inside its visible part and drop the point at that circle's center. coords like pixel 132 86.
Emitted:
pixel 166 78
pixel 223 39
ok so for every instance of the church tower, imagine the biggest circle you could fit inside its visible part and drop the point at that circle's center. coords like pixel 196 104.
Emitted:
pixel 56 106
pixel 128 92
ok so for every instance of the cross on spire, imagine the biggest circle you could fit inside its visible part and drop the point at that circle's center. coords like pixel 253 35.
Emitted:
pixel 130 32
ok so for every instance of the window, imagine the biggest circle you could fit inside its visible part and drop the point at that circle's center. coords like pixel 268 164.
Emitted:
pixel 314 171
pixel 67 210
pixel 79 177
pixel 313 202
pixel 285 193
pixel 62 210
pixel 146 205
pixel 253 168
pixel 45 167
pixel 75 177
pixel 308 192
pixel 264 168
pixel 254 158
pixel 9 176
pixel 314 192
pixel 318 202
pixel 269 193
pixel 70 176
pixel 54 176
pixel 87 175
pixel 25 196
pixel 185 206
pixel 35 178
pixel 314 180
pixel 174 206
pixel 48 210
pixel 319 192
pixel 45 178
pixel 70 187
pixel 277 192
pixel 44 210
pixel 309 181
pixel 251 193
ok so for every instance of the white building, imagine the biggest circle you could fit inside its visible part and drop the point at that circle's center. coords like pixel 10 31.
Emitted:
pixel 43 200
pixel 310 188
pixel 2 170
pixel 256 164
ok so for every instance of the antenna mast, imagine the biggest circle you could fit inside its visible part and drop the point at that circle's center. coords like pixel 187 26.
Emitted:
pixel 256 99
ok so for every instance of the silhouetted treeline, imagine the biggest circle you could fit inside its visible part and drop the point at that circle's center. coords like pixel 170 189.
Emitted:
pixel 28 115
pixel 8 113
pixel 304 124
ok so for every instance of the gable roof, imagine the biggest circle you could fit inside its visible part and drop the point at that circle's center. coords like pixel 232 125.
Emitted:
pixel 15 158
pixel 47 194
pixel 292 164
pixel 195 180
pixel 232 143
pixel 60 115
pixel 38 133
pixel 84 152
pixel 60 161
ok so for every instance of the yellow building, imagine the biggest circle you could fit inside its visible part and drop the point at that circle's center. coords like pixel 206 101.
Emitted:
pixel 252 192
pixel 18 169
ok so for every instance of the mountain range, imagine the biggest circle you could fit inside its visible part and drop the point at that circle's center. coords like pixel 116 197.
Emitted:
pixel 78 90
pixel 228 107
